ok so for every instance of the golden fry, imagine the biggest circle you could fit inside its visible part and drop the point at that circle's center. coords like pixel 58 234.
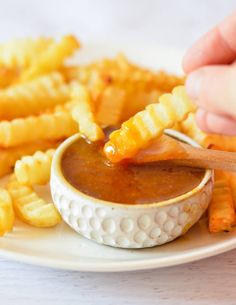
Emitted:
pixel 214 141
pixel 22 52
pixel 137 83
pixel 7 215
pixel 190 128
pixel 231 176
pixel 124 74
pixel 35 169
pixel 8 76
pixel 33 97
pixel 9 156
pixel 227 143
pixel 52 58
pixel 82 113
pixel 30 208
pixel 221 209
pixel 138 100
pixel 51 126
pixel 110 106
pixel 148 124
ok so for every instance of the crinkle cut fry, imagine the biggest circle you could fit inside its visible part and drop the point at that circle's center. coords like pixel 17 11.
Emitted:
pixel 110 106
pixel 119 71
pixel 138 131
pixel 221 209
pixel 82 112
pixel 35 169
pixel 214 141
pixel 9 156
pixel 8 76
pixel 20 53
pixel 33 97
pixel 137 100
pixel 231 176
pixel 51 126
pixel 52 58
pixel 190 128
pixel 7 215
pixel 30 208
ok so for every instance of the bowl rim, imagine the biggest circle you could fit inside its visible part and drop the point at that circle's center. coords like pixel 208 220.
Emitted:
pixel 57 171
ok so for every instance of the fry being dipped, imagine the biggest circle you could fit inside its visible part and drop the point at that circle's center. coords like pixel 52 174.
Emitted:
pixel 149 124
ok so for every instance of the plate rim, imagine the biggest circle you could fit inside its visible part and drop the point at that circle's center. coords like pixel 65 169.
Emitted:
pixel 125 266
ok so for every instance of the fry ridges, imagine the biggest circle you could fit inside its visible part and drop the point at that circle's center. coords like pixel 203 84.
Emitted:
pixel 148 124
pixel 31 208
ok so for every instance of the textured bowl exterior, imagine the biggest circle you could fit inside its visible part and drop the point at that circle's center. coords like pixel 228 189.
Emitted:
pixel 127 226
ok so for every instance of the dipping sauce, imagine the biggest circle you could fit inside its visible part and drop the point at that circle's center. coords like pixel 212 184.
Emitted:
pixel 88 170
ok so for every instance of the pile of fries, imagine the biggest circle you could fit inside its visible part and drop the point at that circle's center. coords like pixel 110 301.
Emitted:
pixel 43 101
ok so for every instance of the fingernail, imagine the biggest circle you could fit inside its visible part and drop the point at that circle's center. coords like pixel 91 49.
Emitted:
pixel 193 84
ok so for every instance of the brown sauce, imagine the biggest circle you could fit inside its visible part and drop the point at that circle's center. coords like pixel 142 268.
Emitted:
pixel 87 169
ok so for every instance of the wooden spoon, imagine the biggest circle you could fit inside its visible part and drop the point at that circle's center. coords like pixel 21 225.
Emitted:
pixel 169 149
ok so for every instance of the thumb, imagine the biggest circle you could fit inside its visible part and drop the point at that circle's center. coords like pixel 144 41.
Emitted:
pixel 213 88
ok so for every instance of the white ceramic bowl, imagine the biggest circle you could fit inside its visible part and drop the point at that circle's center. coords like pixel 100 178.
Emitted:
pixel 128 226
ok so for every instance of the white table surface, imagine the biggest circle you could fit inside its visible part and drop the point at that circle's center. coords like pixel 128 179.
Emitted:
pixel 209 281
pixel 172 23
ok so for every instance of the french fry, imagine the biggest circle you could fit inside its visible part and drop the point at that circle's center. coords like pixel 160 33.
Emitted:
pixel 82 113
pixel 227 143
pixel 190 128
pixel 119 72
pixel 231 176
pixel 138 131
pixel 8 76
pixel 221 209
pixel 92 79
pixel 30 208
pixel 122 73
pixel 176 126
pixel 214 141
pixel 137 101
pixel 33 97
pixel 9 156
pixel 22 52
pixel 111 104
pixel 7 215
pixel 52 58
pixel 51 126
pixel 35 169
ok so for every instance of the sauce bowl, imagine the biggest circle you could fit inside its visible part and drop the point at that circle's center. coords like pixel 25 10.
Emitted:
pixel 124 225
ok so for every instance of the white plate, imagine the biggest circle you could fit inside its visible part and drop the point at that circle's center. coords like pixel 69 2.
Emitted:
pixel 61 247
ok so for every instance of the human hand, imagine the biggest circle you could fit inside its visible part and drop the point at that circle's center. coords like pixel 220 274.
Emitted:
pixel 211 68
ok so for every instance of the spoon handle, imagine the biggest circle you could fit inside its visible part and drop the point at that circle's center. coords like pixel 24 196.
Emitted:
pixel 208 158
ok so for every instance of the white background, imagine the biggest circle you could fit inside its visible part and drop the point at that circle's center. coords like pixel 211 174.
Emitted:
pixel 170 22
pixel 165 22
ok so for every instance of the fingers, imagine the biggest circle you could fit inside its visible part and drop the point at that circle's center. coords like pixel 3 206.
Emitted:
pixel 213 123
pixel 213 83
pixel 213 88
pixel 218 46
